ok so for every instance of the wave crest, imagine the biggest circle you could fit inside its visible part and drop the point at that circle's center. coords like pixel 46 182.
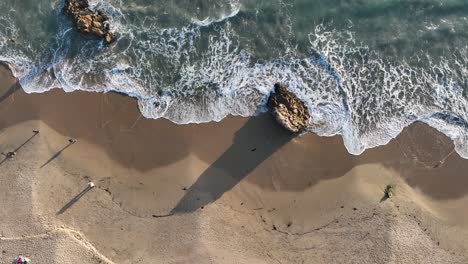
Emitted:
pixel 202 72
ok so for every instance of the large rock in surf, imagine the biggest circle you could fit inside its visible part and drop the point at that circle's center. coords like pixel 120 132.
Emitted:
pixel 288 109
pixel 89 22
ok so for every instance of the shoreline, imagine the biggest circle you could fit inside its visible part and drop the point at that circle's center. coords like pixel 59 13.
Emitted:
pixel 132 101
pixel 174 193
pixel 6 66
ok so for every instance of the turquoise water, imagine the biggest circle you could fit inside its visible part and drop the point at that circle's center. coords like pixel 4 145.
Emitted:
pixel 365 68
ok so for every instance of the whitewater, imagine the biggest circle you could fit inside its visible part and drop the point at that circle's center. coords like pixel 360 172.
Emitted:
pixel 206 65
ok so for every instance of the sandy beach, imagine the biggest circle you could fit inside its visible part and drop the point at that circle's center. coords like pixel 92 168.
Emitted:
pixel 239 191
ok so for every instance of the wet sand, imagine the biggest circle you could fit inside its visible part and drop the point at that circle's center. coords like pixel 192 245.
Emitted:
pixel 238 191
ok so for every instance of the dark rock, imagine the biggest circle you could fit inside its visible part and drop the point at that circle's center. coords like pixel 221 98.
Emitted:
pixel 89 22
pixel 288 109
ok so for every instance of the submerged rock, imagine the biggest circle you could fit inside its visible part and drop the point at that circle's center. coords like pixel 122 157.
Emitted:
pixel 89 22
pixel 288 109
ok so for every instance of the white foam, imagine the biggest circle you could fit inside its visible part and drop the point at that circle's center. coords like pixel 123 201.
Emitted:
pixel 8 33
pixel 351 90
pixel 211 20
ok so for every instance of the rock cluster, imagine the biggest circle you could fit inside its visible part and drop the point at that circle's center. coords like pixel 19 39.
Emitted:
pixel 89 22
pixel 288 109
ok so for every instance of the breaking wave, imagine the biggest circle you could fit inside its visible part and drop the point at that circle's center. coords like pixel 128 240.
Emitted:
pixel 202 72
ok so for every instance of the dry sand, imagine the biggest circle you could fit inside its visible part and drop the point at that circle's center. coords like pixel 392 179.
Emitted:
pixel 238 191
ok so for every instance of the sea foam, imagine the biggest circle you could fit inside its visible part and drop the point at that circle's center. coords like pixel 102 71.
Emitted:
pixel 350 89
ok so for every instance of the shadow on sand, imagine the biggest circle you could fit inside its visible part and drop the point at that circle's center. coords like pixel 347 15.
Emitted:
pixel 384 198
pixel 18 148
pixel 74 200
pixel 7 88
pixel 9 91
pixel 253 144
pixel 26 142
pixel 56 155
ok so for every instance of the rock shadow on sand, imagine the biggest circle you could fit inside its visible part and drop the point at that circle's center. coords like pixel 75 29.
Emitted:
pixel 255 142
pixel 8 83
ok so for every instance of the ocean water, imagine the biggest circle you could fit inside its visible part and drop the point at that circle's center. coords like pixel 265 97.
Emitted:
pixel 365 68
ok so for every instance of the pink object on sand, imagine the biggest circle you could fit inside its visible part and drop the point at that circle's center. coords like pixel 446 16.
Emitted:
pixel 22 260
